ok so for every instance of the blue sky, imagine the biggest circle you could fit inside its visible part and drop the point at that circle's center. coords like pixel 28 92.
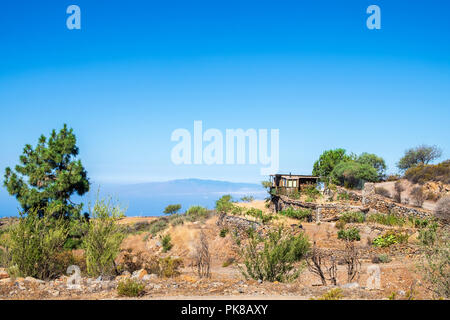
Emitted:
pixel 137 70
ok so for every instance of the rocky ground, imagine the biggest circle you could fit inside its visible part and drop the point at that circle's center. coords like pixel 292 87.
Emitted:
pixel 399 276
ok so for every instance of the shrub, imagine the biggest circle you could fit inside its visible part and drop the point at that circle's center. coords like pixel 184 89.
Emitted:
pixel 224 204
pixel 428 235
pixel 157 226
pixel 332 294
pixel 418 196
pixel 169 267
pixel 382 192
pixel 386 219
pixel 260 215
pixel 228 262
pixel 172 209
pixel 130 288
pixel 418 222
pixel 382 258
pixel 301 214
pixel 176 222
pixel 311 192
pixel 102 242
pixel 442 209
pixel 352 217
pixel 343 196
pixel 223 232
pixel 202 257
pixel 390 238
pixel 166 243
pixel 197 213
pixel 35 245
pixel 340 224
pixel 435 265
pixel 425 173
pixel 272 258
pixel 248 198
pixel 351 234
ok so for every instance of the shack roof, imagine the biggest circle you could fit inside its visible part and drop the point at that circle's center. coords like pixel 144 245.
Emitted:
pixel 288 175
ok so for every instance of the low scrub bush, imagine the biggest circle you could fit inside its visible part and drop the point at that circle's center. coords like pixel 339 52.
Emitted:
pixel 130 288
pixel 169 267
pixel 311 192
pixel 166 243
pixel 434 264
pixel 103 239
pixel 259 215
pixel 386 219
pixel 272 258
pixel 223 232
pixel 248 198
pixel 352 217
pixel 228 262
pixel 431 172
pixel 390 238
pixel 351 234
pixel 35 246
pixel 332 294
pixel 300 214
pixel 417 196
pixel 418 223
pixel 157 226
pixel 382 258
pixel 177 221
pixel 442 209
pixel 197 213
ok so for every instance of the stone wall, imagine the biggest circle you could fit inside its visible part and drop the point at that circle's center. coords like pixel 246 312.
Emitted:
pixel 364 200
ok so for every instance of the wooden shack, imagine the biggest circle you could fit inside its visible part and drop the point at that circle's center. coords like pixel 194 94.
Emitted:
pixel 288 183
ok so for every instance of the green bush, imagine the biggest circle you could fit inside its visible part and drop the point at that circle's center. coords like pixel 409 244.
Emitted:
pixel 382 258
pixel 103 239
pixel 301 214
pixel 157 226
pixel 272 258
pixel 434 265
pixel 390 238
pixel 432 172
pixel 177 221
pixel 225 204
pixel 427 235
pixel 197 213
pixel 332 294
pixel 351 234
pixel 386 219
pixel 169 267
pixel 166 243
pixel 35 245
pixel 260 215
pixel 223 232
pixel 130 288
pixel 311 192
pixel 248 198
pixel 418 222
pixel 352 217
pixel 228 262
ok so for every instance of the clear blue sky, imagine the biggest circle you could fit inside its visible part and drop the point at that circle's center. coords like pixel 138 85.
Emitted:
pixel 137 70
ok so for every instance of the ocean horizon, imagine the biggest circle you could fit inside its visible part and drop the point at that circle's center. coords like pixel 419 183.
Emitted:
pixel 150 199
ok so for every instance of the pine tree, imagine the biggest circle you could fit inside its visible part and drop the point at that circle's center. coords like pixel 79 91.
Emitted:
pixel 49 175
